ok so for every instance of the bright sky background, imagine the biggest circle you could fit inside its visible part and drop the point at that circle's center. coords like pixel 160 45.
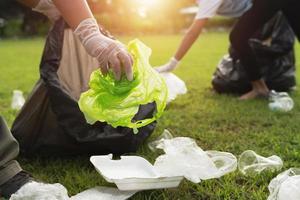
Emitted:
pixel 144 5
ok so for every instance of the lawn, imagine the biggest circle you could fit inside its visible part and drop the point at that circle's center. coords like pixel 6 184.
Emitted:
pixel 216 122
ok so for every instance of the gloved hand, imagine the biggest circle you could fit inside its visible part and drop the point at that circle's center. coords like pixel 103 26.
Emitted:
pixel 168 67
pixel 47 8
pixel 109 52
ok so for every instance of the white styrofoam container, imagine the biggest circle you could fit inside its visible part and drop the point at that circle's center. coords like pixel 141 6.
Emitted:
pixel 132 173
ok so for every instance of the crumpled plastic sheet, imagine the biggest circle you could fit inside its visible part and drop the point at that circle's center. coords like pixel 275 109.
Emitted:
pixel 183 157
pixel 251 163
pixel 175 86
pixel 280 101
pixel 42 191
pixel 117 102
pixel 286 186
pixel 103 193
pixel 165 135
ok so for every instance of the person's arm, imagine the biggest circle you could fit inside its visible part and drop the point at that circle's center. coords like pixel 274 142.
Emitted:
pixel 73 11
pixel 188 40
pixel 29 3
pixel 110 53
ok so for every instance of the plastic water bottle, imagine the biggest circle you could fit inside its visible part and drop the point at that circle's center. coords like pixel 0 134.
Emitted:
pixel 17 100
pixel 280 101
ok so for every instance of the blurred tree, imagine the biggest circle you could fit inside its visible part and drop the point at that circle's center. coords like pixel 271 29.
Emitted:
pixel 118 16
pixel 9 9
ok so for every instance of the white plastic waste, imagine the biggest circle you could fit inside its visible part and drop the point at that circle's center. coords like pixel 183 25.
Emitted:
pixel 175 85
pixel 184 157
pixel 286 186
pixel 41 191
pixel 280 101
pixel 225 65
pixel 165 135
pixel 17 100
pixel 133 173
pixel 251 163
pixel 103 193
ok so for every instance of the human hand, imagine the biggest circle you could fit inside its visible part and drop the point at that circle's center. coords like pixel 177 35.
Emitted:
pixel 110 53
pixel 169 66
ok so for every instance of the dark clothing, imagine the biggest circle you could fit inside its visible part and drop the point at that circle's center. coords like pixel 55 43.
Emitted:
pixel 254 19
pixel 9 150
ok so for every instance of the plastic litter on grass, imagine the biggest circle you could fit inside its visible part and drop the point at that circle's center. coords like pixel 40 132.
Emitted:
pixel 175 85
pixel 286 186
pixel 17 100
pixel 165 135
pixel 103 193
pixel 184 157
pixel 280 101
pixel 133 173
pixel 42 191
pixel 251 163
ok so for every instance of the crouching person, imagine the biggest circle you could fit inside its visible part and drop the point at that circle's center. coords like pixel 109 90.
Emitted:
pixel 50 122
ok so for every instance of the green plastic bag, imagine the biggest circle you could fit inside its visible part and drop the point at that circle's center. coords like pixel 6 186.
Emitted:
pixel 117 102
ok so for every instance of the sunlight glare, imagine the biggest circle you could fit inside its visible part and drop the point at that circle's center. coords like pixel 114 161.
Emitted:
pixel 147 3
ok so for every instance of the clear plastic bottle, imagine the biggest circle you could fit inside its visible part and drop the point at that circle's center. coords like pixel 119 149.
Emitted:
pixel 251 163
pixel 280 101
pixel 17 100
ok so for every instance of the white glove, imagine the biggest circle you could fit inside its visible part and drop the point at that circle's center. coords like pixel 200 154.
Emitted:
pixel 47 8
pixel 168 67
pixel 110 53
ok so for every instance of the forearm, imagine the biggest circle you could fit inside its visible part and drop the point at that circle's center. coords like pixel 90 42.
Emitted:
pixel 73 11
pixel 29 3
pixel 189 38
pixel 109 53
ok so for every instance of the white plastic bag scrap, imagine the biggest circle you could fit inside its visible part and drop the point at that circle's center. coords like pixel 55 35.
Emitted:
pixel 175 85
pixel 41 191
pixel 165 135
pixel 17 100
pixel 286 186
pixel 103 193
pixel 185 158
pixel 280 101
pixel 251 163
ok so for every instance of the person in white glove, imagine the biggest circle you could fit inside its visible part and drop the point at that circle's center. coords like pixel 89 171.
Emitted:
pixel 207 10
pixel 110 53
pixel 187 42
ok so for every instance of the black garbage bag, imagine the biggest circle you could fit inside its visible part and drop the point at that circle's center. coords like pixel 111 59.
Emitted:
pixel 274 49
pixel 50 122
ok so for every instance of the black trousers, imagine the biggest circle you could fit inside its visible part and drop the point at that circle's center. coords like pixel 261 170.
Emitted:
pixel 9 150
pixel 254 19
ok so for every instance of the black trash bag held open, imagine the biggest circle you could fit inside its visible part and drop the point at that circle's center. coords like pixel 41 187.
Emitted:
pixel 50 122
pixel 274 50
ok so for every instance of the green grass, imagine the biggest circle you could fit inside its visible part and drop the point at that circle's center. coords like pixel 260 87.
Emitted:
pixel 216 122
